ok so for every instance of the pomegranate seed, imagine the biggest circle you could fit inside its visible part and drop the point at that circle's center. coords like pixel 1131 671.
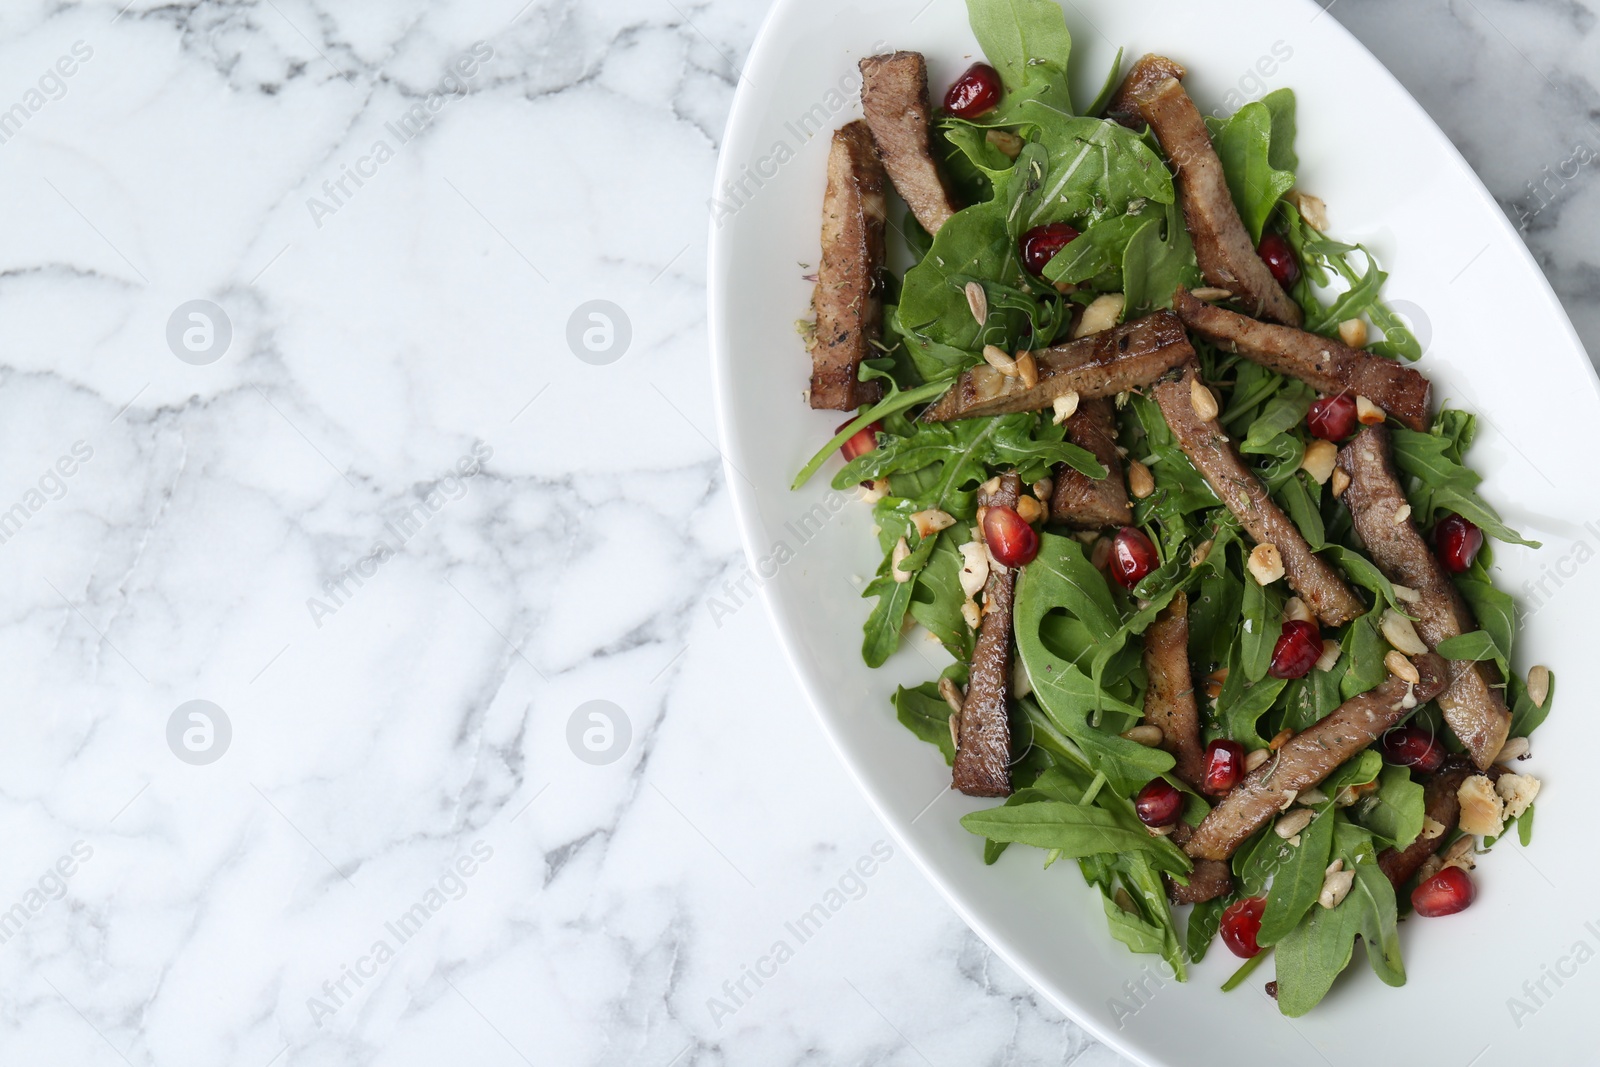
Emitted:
pixel 1012 541
pixel 1241 923
pixel 1224 766
pixel 1457 541
pixel 1275 252
pixel 1159 803
pixel 1297 650
pixel 1445 893
pixel 1040 244
pixel 1333 418
pixel 974 93
pixel 864 440
pixel 1133 555
pixel 1412 746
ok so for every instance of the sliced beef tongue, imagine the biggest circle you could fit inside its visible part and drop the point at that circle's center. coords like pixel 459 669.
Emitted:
pixel 1472 705
pixel 846 299
pixel 1221 243
pixel 894 97
pixel 1323 363
pixel 983 729
pixel 1086 503
pixel 1208 448
pixel 1310 756
pixel 1100 365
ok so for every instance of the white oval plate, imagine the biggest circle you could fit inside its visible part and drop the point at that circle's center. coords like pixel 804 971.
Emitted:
pixel 1497 342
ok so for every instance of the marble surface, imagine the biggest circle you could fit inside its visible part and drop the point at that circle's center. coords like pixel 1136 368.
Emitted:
pixel 480 774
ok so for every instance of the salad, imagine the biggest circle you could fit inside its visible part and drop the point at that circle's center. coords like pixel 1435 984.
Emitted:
pixel 1147 455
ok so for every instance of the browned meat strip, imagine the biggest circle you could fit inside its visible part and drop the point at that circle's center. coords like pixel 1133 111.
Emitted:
pixel 894 96
pixel 983 735
pixel 1310 756
pixel 1221 243
pixel 1203 441
pixel 1209 879
pixel 1441 804
pixel 1102 364
pixel 1144 77
pixel 1472 704
pixel 1169 702
pixel 1086 503
pixel 1324 364
pixel 846 302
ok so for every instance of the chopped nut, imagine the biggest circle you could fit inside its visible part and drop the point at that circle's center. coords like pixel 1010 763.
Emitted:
pixel 1538 685
pixel 1459 854
pixel 1255 758
pixel 1311 208
pixel 897 557
pixel 1210 293
pixel 1319 459
pixel 1401 514
pixel 978 302
pixel 1100 553
pixel 1064 407
pixel 988 488
pixel 1429 868
pixel 1368 413
pixel 987 383
pixel 874 491
pixel 1161 831
pixel 1432 829
pixel 1027 369
pixel 1353 332
pixel 1201 551
pixel 1009 144
pixel 1295 610
pixel 1101 315
pixel 1312 797
pixel 1140 482
pixel 1029 508
pixel 1204 402
pixel 1515 748
pixel 1336 865
pixel 1281 738
pixel 1265 565
pixel 1401 667
pixel 1330 655
pixel 971 614
pixel 1406 595
pixel 974 567
pixel 1482 809
pixel 1335 887
pixel 1293 823
pixel 951 693
pixel 1044 487
pixel 1399 632
pixel 932 521
pixel 955 731
pixel 997 358
pixel 1518 791
pixel 1147 735
pixel 1341 482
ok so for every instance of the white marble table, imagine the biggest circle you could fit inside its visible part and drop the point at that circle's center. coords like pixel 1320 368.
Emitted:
pixel 373 508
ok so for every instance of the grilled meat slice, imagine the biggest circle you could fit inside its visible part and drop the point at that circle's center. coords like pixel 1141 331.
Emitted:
pixel 1324 364
pixel 1142 79
pixel 1441 804
pixel 846 298
pixel 1221 243
pixel 1310 756
pixel 1472 704
pixel 1203 441
pixel 894 96
pixel 1169 701
pixel 983 735
pixel 1086 503
pixel 1208 880
pixel 1102 364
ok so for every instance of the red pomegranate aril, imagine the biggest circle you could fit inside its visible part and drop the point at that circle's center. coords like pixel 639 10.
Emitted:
pixel 1240 926
pixel 974 93
pixel 1011 541
pixel 1446 893
pixel 1412 746
pixel 1224 767
pixel 1133 555
pixel 863 441
pixel 1457 541
pixel 1275 252
pixel 1159 803
pixel 1040 244
pixel 1297 651
pixel 1333 418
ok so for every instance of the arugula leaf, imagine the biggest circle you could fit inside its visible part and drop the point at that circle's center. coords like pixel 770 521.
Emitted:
pixel 1393 813
pixel 1204 921
pixel 1095 169
pixel 1441 482
pixel 1244 144
pixel 1525 715
pixel 1297 881
pixel 1028 43
pixel 924 712
pixel 936 601
pixel 1476 645
pixel 1364 649
pixel 1159 258
pixel 1075 830
pixel 1262 607
pixel 1096 254
pixel 1108 88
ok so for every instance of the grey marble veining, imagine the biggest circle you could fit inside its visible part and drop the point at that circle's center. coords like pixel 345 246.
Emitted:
pixel 405 539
